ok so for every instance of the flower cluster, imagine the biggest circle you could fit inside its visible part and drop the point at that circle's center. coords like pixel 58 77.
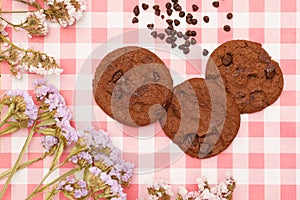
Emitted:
pixel 106 172
pixel 159 190
pixel 56 116
pixel 73 188
pixel 22 112
pixel 65 12
pixel 36 24
pixel 162 190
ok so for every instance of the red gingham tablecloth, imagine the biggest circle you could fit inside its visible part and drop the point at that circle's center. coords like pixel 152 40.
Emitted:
pixel 264 158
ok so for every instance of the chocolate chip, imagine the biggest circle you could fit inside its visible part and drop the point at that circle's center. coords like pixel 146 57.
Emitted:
pixel 174 32
pixel 168 31
pixel 145 6
pixel 161 36
pixel 189 15
pixel 155 7
pixel 189 20
pixel 177 7
pixel 171 27
pixel 181 14
pixel 194 21
pixel 173 39
pixel 162 17
pixel 135 20
pixel 174 1
pixel 136 10
pixel 188 32
pixel 179 34
pixel 156 77
pixel 157 12
pixel 150 26
pixel 169 12
pixel 169 40
pixel 154 34
pixel 186 37
pixel 173 45
pixel 229 16
pixel 195 7
pixel 193 33
pixel 187 43
pixel 216 4
pixel 227 60
pixel 186 50
pixel 181 47
pixel 205 52
pixel 206 19
pixel 193 41
pixel 117 76
pixel 168 5
pixel 227 28
pixel 169 21
pixel 270 72
pixel 176 22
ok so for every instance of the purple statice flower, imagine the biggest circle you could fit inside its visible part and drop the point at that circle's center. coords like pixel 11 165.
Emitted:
pixel 95 171
pixel 73 187
pixel 49 142
pixel 84 156
pixel 122 170
pixel 93 139
pixel 115 188
pixel 55 101
pixel 31 109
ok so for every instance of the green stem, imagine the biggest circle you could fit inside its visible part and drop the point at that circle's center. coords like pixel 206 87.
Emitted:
pixel 8 115
pixel 14 169
pixel 22 166
pixel 17 11
pixel 11 24
pixel 47 175
pixel 71 172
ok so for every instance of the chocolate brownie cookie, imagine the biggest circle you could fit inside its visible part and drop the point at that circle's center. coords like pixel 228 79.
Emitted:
pixel 133 86
pixel 251 77
pixel 201 119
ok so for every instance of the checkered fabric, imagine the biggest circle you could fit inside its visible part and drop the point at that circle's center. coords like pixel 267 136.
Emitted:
pixel 264 158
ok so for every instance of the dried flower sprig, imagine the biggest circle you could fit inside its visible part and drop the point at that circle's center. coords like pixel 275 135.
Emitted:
pixel 162 190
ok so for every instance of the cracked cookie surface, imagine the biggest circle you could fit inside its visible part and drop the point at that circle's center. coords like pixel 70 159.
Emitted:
pixel 202 118
pixel 133 86
pixel 250 76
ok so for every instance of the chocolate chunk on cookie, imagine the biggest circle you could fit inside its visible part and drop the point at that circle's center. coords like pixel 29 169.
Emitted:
pixel 251 77
pixel 202 118
pixel 133 86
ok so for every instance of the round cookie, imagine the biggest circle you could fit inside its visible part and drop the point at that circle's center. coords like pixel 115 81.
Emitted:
pixel 201 119
pixel 251 77
pixel 133 86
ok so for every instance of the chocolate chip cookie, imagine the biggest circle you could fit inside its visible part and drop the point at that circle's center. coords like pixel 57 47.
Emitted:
pixel 202 119
pixel 133 86
pixel 250 76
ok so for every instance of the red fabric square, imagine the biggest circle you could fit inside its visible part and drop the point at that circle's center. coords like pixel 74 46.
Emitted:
pixel 257 192
pixel 256 129
pixel 287 161
pixel 288 35
pixel 288 5
pixel 287 129
pixel 256 6
pixel 288 98
pixel 224 160
pixel 256 160
pixel 68 35
pixel 257 34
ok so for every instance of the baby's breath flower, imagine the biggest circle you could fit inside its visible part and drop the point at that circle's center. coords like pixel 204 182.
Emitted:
pixel 3 25
pixel 159 189
pixel 36 24
pixel 65 12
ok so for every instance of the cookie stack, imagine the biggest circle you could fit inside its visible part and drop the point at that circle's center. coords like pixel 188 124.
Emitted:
pixel 201 116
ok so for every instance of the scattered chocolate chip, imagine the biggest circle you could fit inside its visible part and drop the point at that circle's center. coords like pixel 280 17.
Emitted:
pixel 150 26
pixel 157 12
pixel 135 20
pixel 187 43
pixel 181 14
pixel 174 1
pixel 195 7
pixel 186 37
pixel 176 22
pixel 206 19
pixel 186 50
pixel 136 10
pixel 227 28
pixel 173 39
pixel 168 31
pixel 189 15
pixel 161 36
pixel 168 5
pixel 193 33
pixel 169 21
pixel 173 45
pixel 189 20
pixel 145 6
pixel 154 34
pixel 229 16
pixel 179 34
pixel 169 12
pixel 188 32
pixel 205 52
pixel 216 4
pixel 171 27
pixel 227 59
pixel 194 21
pixel 193 41
pixel 173 33
pixel 270 72
pixel 177 7
pixel 181 47
pixel 162 17
pixel 169 40
pixel 156 77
